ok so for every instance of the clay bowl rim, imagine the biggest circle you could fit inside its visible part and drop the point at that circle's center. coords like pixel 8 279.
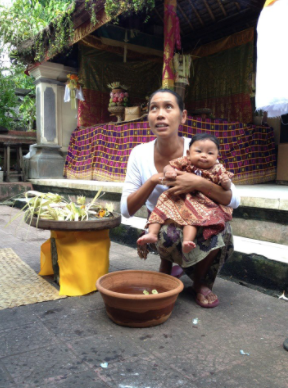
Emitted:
pixel 165 294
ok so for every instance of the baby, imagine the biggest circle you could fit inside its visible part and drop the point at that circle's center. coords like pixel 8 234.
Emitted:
pixel 192 210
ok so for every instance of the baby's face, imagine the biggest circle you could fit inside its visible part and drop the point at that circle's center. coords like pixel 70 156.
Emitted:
pixel 203 154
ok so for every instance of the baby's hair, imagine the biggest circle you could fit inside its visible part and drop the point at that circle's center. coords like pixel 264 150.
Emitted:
pixel 204 136
pixel 179 100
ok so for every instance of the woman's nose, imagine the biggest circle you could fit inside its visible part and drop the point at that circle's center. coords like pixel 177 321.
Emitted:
pixel 160 113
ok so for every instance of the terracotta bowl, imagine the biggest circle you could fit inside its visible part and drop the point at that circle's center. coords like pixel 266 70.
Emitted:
pixel 126 304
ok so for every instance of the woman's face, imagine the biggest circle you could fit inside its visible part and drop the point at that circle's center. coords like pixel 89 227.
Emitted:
pixel 164 115
pixel 203 154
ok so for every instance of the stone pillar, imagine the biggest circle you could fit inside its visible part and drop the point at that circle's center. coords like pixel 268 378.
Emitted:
pixel 55 121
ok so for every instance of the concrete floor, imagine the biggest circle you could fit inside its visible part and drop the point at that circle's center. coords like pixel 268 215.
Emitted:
pixel 63 343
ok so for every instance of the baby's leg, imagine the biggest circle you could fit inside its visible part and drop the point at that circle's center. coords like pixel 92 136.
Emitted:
pixel 189 234
pixel 165 266
pixel 151 236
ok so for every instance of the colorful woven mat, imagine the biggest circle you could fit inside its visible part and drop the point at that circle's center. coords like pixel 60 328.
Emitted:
pixel 20 285
pixel 101 152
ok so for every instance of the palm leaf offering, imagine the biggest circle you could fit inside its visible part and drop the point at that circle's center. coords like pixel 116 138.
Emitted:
pixel 49 206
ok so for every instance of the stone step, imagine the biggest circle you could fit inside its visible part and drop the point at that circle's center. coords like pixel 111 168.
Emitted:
pixel 271 251
pixel 13 189
pixel 247 246
pixel 254 262
pixel 265 196
pixel 262 216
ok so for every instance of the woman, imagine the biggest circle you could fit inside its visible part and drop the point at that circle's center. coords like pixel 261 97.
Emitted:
pixel 145 182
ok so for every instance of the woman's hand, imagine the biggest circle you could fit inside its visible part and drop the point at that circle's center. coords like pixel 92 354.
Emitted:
pixel 157 179
pixel 184 183
pixel 187 183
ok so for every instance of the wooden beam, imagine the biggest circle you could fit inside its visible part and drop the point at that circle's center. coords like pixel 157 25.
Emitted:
pixel 220 25
pixel 196 12
pixel 237 5
pixel 222 8
pixel 184 15
pixel 253 4
pixel 209 10
pixel 158 14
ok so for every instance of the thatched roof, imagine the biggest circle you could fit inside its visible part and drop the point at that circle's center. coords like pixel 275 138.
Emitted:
pixel 204 20
pixel 201 21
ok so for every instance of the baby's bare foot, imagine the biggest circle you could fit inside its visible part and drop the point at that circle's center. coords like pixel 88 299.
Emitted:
pixel 187 246
pixel 147 238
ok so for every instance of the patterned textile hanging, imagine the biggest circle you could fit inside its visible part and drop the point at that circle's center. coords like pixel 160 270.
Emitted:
pixel 101 152
pixel 171 38
pixel 272 58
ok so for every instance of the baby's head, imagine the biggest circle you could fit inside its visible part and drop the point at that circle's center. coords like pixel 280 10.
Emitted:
pixel 203 150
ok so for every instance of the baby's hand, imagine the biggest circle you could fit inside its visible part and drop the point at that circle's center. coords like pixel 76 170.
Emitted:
pixel 226 183
pixel 169 172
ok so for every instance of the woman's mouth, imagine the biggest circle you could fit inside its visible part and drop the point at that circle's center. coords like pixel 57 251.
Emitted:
pixel 161 126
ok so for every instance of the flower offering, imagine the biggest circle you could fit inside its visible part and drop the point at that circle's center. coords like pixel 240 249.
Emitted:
pixel 119 95
pixel 73 90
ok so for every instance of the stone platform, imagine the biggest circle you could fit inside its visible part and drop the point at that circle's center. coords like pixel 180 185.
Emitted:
pixel 13 189
pixel 265 196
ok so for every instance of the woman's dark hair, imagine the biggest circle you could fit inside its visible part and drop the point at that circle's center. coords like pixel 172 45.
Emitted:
pixel 204 136
pixel 176 95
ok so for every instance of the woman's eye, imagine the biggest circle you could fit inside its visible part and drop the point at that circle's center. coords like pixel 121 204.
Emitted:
pixel 153 108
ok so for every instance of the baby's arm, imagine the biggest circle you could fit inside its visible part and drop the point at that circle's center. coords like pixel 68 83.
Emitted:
pixel 220 176
pixel 169 172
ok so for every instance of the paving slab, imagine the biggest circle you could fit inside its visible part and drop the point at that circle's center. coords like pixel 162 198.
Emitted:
pixel 63 343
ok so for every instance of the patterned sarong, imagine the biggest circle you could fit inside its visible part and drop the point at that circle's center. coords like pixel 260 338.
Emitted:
pixel 169 247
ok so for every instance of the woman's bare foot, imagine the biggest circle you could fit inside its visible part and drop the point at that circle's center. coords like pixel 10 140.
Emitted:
pixel 187 246
pixel 147 238
pixel 205 297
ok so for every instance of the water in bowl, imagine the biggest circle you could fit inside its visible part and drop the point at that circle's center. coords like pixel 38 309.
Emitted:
pixel 137 290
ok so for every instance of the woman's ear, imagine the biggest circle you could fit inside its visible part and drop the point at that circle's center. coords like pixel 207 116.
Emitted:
pixel 184 116
pixel 188 153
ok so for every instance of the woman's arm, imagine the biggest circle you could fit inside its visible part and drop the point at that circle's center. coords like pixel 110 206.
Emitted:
pixel 135 194
pixel 187 182
pixel 137 199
